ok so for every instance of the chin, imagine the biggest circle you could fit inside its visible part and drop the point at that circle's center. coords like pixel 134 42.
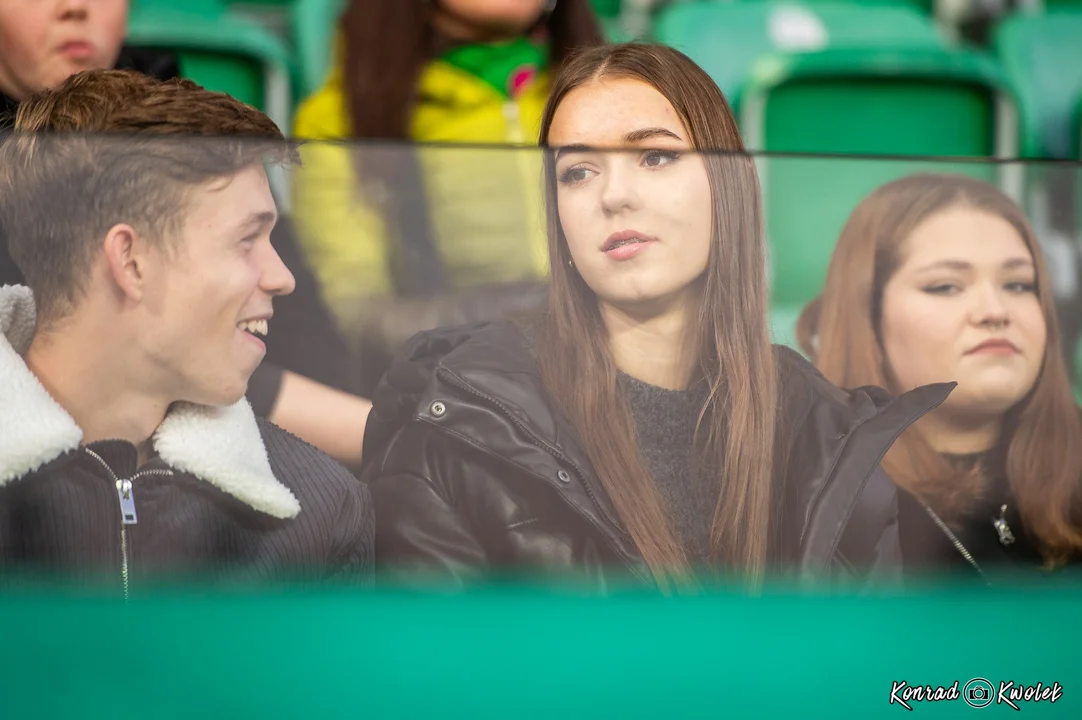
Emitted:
pixel 992 400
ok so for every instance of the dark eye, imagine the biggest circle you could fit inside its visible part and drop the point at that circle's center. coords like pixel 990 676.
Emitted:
pixel 1022 287
pixel 942 289
pixel 575 175
pixel 657 158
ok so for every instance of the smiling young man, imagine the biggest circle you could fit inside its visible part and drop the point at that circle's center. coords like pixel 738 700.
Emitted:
pixel 140 213
pixel 300 385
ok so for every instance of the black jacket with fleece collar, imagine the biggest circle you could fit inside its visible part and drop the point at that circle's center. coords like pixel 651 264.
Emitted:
pixel 226 498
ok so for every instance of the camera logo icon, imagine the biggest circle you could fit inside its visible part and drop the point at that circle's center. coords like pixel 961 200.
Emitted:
pixel 978 693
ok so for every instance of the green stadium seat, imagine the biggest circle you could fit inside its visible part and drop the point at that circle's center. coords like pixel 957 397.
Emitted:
pixel 726 39
pixel 1078 129
pixel 219 51
pixel 308 27
pixel 606 8
pixel 928 102
pixel 826 78
pixel 1042 55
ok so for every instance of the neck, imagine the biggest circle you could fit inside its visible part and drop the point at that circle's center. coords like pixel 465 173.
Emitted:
pixel 96 387
pixel 8 88
pixel 654 350
pixel 454 28
pixel 952 435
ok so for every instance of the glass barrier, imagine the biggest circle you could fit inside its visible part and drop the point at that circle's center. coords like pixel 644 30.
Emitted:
pixel 470 221
pixel 485 484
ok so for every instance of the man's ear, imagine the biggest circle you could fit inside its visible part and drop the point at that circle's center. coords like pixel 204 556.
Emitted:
pixel 127 258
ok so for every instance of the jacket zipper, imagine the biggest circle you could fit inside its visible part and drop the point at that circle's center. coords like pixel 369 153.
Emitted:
pixel 126 495
pixel 552 451
pixel 957 543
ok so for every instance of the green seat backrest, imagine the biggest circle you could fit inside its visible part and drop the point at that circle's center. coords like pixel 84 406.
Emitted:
pixel 606 8
pixel 220 52
pixel 1042 55
pixel 308 27
pixel 924 102
pixel 726 39
pixel 1078 129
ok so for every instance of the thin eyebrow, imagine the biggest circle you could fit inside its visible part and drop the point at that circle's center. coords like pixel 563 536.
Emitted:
pixel 635 136
pixel 962 265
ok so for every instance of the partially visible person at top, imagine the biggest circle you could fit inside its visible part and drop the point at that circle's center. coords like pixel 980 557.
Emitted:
pixel 128 452
pixel 939 278
pixel 42 42
pixel 644 428
pixel 378 218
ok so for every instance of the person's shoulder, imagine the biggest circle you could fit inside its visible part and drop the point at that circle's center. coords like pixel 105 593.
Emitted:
pixel 322 115
pixel 799 378
pixel 320 482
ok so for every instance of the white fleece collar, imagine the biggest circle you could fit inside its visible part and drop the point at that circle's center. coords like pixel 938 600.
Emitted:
pixel 221 446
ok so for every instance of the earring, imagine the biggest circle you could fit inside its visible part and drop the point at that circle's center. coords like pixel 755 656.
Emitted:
pixel 550 5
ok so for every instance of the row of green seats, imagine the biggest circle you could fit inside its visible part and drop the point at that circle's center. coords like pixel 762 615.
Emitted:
pixel 879 80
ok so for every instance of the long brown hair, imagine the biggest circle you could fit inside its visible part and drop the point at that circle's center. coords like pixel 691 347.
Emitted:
pixel 388 43
pixel 1042 434
pixel 734 438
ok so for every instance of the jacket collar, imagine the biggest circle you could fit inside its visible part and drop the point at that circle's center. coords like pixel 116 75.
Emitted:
pixel 219 445
pixel 832 439
pixel 453 368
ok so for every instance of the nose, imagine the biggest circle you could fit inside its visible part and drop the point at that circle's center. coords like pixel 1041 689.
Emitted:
pixel 618 186
pixel 276 278
pixel 989 310
pixel 73 9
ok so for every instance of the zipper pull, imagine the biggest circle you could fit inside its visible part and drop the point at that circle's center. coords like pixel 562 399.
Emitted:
pixel 126 494
pixel 1006 537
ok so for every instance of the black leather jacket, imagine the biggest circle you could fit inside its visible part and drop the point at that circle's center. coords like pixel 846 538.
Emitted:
pixel 473 471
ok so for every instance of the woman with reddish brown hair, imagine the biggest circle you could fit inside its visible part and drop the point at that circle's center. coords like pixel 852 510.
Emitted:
pixel 939 278
pixel 644 426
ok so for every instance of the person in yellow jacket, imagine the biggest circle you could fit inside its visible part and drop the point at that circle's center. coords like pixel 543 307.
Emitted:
pixel 453 76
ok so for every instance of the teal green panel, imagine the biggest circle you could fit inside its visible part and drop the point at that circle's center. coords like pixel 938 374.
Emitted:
pixel 527 656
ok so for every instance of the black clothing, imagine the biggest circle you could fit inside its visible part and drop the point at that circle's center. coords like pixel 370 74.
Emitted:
pixel 473 470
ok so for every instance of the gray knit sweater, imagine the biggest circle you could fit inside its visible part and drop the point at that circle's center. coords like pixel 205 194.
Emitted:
pixel 665 426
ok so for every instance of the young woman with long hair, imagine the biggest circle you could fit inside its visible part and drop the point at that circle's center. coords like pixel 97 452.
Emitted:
pixel 645 423
pixel 382 217
pixel 940 278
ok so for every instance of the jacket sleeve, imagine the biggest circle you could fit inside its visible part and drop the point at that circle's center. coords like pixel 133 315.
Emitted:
pixel 869 556
pixel 342 236
pixel 420 536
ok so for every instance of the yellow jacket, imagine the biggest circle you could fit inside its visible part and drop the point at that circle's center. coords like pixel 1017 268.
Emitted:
pixel 484 204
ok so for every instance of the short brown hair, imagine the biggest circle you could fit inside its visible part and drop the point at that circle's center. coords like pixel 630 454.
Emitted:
pixel 108 147
pixel 1042 433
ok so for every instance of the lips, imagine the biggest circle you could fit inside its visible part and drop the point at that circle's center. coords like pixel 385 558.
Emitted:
pixel 77 49
pixel 625 237
pixel 996 346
